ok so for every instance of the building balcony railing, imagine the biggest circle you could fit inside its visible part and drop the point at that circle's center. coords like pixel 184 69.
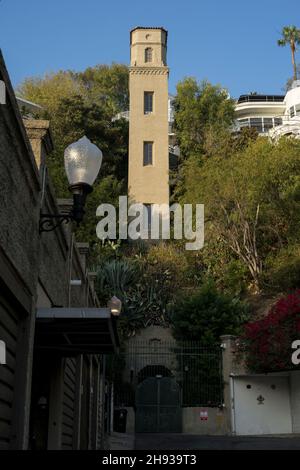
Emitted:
pixel 261 98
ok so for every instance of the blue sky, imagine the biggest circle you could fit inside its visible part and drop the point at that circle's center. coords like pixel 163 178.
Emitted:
pixel 231 42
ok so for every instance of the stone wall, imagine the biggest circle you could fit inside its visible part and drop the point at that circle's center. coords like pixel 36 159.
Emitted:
pixel 62 260
pixel 35 271
pixel 19 240
pixel 213 425
pixel 59 258
pixel 19 191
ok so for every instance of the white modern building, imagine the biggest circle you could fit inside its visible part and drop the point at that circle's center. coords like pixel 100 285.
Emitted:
pixel 272 115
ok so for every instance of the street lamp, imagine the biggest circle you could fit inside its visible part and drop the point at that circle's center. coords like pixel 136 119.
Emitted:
pixel 82 164
pixel 115 306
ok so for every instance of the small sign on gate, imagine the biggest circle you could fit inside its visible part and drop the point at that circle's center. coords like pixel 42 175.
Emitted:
pixel 204 415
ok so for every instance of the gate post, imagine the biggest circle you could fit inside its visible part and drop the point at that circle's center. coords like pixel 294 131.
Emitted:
pixel 228 351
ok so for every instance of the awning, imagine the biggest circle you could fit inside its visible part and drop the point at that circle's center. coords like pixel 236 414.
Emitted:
pixel 72 331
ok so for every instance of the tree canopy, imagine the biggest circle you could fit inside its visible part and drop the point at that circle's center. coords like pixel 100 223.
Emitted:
pixel 250 187
pixel 200 109
pixel 290 35
pixel 251 200
pixel 102 85
pixel 206 315
pixel 79 104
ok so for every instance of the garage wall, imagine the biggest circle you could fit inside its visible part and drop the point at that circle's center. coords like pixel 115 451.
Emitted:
pixel 262 405
pixel 295 400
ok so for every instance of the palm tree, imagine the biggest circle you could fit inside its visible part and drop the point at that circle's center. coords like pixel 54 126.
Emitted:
pixel 291 36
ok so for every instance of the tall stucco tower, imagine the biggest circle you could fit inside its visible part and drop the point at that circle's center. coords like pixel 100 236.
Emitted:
pixel 148 173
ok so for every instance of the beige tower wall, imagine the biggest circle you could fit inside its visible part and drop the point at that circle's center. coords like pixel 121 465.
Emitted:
pixel 148 184
pixel 141 38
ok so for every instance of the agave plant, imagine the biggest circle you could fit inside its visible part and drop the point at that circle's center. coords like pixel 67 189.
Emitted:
pixel 116 277
pixel 143 306
pixel 143 298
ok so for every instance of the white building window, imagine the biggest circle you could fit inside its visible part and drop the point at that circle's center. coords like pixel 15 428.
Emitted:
pixel 277 121
pixel 257 123
pixel 267 124
pixel 261 124
pixel 244 122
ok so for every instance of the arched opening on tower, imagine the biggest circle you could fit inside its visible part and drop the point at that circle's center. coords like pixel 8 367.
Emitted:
pixel 148 54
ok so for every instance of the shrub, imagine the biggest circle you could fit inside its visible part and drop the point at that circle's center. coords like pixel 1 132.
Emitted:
pixel 266 343
pixel 207 315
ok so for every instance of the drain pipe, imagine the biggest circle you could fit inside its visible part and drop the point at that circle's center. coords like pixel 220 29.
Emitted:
pixel 112 407
pixel 70 267
pixel 232 404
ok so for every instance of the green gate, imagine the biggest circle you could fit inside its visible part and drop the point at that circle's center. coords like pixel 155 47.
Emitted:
pixel 158 405
pixel 156 379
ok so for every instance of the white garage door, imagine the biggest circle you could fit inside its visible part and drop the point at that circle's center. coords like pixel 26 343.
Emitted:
pixel 261 405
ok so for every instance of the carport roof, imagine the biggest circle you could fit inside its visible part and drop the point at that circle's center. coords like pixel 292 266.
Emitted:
pixel 72 331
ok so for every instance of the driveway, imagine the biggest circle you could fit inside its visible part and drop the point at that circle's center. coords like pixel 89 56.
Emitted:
pixel 193 442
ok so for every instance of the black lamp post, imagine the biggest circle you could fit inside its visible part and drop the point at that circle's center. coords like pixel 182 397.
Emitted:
pixel 82 164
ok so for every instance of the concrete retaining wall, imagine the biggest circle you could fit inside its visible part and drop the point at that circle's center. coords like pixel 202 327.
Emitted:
pixel 214 425
pixel 295 400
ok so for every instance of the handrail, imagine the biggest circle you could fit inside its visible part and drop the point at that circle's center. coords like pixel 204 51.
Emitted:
pixel 261 98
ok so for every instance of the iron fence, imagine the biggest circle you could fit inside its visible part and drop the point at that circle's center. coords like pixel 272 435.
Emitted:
pixel 197 369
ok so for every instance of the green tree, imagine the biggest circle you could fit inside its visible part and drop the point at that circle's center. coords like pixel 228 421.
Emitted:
pixel 251 201
pixel 206 315
pixel 79 104
pixel 147 279
pixel 72 102
pixel 48 91
pixel 103 85
pixel 76 117
pixel 199 108
pixel 107 85
pixel 290 35
pixel 106 189
pixel 290 80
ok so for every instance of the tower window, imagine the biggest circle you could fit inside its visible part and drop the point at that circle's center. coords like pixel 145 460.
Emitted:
pixel 148 153
pixel 149 215
pixel 148 102
pixel 148 54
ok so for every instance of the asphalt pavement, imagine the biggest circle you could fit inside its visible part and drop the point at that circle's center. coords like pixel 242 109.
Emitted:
pixel 194 442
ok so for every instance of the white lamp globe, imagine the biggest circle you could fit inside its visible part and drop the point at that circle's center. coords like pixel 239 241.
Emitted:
pixel 82 162
pixel 115 306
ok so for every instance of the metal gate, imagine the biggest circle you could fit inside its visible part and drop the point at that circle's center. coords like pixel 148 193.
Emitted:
pixel 156 379
pixel 158 405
